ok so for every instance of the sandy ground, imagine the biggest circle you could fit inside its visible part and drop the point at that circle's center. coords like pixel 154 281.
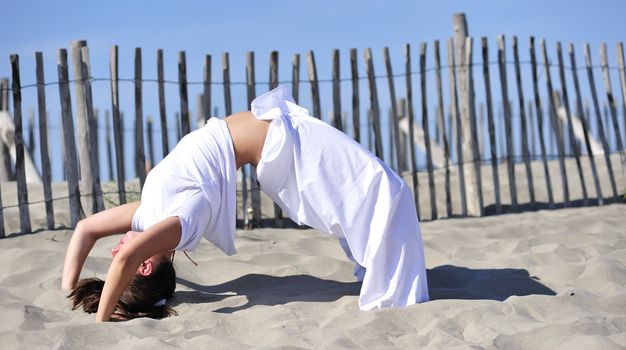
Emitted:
pixel 549 279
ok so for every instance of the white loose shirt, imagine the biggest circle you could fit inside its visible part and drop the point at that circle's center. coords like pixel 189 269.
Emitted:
pixel 196 182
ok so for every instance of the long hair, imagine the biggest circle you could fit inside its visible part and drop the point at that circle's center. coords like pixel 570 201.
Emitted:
pixel 137 300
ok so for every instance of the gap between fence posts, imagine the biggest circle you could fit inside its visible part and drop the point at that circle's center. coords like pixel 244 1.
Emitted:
pixel 394 111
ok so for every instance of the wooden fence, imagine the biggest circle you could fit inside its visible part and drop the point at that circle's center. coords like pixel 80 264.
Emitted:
pixel 453 141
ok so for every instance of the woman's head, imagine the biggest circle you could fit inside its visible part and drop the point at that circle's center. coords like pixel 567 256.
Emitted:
pixel 141 298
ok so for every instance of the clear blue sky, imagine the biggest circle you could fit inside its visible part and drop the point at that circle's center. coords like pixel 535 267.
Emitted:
pixel 212 27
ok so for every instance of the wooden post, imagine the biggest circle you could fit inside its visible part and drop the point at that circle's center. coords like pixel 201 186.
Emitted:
pixel 226 77
pixel 178 132
pixel 470 106
pixel 140 154
pixel 371 77
pixel 30 147
pixel 555 124
pixel 162 110
pixel 6 168
pixel 251 94
pixel 107 140
pixel 206 95
pixel 583 121
pixel 442 123
pixel 149 123
pixel 394 111
pixel 522 114
pixel 622 80
pixel 540 132
pixel 572 138
pixel 401 102
pixel 182 88
pixel 409 99
pixel 4 92
pixel 71 166
pixel 92 126
pixel 533 138
pixel 117 125
pixel 336 121
pixel 278 213
pixel 454 111
pixel 507 122
pixel 43 141
pixel 596 106
pixel 295 77
pixel 20 171
pixel 464 124
pixel 356 108
pixel 315 90
pixel 611 101
pixel 426 129
pixel 491 125
pixel 86 176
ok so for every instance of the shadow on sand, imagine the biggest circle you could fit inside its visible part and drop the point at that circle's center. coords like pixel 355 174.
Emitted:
pixel 445 282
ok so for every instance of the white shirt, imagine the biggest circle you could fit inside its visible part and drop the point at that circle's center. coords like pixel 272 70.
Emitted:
pixel 196 182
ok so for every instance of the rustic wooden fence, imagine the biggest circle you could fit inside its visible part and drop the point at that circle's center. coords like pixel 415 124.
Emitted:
pixel 453 142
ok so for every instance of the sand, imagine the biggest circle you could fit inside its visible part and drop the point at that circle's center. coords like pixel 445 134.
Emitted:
pixel 547 279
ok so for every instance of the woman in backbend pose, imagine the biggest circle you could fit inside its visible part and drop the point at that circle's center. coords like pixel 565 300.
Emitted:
pixel 315 173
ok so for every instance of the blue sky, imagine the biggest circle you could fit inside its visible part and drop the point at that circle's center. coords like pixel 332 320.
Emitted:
pixel 211 27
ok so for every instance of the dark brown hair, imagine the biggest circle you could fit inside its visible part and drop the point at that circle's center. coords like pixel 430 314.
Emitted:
pixel 137 300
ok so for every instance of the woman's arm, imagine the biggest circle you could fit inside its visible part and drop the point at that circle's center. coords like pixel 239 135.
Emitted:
pixel 88 231
pixel 161 237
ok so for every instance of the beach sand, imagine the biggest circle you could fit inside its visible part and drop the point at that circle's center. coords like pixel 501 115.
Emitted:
pixel 547 279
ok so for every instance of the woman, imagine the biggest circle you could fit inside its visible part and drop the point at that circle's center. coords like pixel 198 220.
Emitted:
pixel 315 173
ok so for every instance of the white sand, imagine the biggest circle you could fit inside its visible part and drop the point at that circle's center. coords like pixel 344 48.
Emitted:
pixel 537 280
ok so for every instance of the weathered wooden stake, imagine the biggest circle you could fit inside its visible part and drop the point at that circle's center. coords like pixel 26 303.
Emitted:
pixel 442 124
pixel 611 101
pixel 140 153
pixel 409 99
pixel 426 129
pixel 540 132
pixel 107 140
pixel 69 145
pixel 162 110
pixel 92 125
pixel 206 95
pixel 510 162
pixel 491 125
pixel 456 117
pixel 558 132
pixel 336 121
pixel 278 213
pixel 356 108
pixel 149 128
pixel 182 89
pixel 256 216
pixel 295 77
pixel 43 141
pixel 522 114
pixel 395 120
pixel 315 89
pixel 117 125
pixel 371 77
pixel 470 107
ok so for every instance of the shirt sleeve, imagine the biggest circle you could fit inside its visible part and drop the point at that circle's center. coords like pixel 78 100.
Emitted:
pixel 194 215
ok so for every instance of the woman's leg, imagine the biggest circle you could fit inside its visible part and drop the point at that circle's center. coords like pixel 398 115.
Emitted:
pixel 88 231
